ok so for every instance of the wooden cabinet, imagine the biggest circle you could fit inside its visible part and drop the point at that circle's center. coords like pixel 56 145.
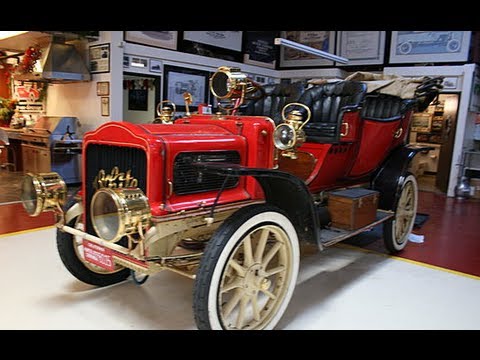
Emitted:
pixel 36 159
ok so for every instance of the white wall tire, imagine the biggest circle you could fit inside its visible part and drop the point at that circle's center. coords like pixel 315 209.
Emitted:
pixel 397 230
pixel 248 272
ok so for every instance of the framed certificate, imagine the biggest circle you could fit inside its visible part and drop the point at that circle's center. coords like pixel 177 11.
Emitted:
pixel 361 47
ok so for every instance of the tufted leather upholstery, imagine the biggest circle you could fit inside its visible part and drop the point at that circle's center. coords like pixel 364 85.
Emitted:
pixel 383 107
pixel 326 103
pixel 276 97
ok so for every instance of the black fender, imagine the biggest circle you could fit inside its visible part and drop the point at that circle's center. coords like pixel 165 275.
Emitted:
pixel 281 189
pixel 389 177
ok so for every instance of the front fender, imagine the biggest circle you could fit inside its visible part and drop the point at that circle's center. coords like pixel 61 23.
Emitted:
pixel 388 179
pixel 74 211
pixel 282 190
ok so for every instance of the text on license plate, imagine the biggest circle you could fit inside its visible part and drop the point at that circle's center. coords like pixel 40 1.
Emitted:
pixel 98 255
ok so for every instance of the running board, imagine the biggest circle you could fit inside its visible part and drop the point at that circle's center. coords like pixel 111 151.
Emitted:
pixel 331 236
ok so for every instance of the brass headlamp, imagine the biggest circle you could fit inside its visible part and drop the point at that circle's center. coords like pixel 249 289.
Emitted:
pixel 230 83
pixel 289 135
pixel 116 212
pixel 165 112
pixel 43 192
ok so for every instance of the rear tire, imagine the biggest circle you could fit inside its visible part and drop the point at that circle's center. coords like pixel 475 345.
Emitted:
pixel 70 250
pixel 397 230
pixel 248 272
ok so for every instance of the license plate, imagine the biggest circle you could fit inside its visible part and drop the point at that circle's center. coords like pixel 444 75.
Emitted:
pixel 98 255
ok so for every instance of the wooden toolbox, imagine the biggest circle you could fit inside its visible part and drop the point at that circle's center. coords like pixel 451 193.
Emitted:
pixel 353 208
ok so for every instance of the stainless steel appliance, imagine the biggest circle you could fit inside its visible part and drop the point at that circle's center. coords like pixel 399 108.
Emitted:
pixel 53 145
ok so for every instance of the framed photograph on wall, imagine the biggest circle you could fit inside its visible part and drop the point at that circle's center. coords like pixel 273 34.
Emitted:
pixel 429 46
pixel 231 40
pixel 99 58
pixel 260 48
pixel 322 40
pixel 161 39
pixel 178 80
pixel 361 47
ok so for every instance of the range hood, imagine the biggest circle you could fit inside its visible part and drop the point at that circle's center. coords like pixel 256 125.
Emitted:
pixel 60 63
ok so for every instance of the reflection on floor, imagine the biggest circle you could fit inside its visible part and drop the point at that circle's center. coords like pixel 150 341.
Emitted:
pixel 10 183
pixel 426 182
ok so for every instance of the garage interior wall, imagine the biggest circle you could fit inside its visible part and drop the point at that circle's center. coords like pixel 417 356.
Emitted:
pixel 81 100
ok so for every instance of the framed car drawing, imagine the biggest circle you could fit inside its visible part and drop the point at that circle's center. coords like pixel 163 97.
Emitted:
pixel 178 80
pixel 429 46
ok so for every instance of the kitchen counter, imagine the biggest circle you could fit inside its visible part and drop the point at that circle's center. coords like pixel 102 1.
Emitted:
pixel 16 145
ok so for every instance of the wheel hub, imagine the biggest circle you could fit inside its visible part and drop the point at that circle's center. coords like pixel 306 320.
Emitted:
pixel 254 281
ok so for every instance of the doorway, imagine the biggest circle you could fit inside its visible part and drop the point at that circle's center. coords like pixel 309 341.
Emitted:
pixel 141 95
pixel 435 127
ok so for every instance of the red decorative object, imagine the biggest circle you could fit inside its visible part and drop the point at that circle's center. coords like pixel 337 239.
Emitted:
pixel 32 54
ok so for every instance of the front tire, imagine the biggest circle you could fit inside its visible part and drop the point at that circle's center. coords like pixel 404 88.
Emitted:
pixel 397 230
pixel 248 272
pixel 70 249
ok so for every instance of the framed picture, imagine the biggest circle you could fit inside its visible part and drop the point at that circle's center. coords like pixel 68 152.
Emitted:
pixel 322 40
pixel 422 122
pixel 161 39
pixel 260 48
pixel 361 47
pixel 99 58
pixel 103 88
pixel 138 99
pixel 155 66
pixel 231 40
pixel 474 105
pixel 105 105
pixel 178 80
pixel 429 46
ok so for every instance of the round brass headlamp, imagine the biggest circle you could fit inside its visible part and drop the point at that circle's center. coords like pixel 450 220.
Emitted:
pixel 43 192
pixel 227 82
pixel 119 212
pixel 284 136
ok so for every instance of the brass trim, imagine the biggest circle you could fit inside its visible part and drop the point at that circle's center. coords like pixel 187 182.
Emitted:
pixel 398 133
pixel 347 129
pixel 50 192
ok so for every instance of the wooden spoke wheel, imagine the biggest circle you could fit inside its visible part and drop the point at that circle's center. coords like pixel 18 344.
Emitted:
pixel 248 272
pixel 397 230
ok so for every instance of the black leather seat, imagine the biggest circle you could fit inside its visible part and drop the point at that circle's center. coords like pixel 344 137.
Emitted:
pixel 382 107
pixel 276 97
pixel 327 103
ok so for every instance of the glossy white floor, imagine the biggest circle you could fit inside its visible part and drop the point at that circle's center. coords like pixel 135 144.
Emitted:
pixel 340 288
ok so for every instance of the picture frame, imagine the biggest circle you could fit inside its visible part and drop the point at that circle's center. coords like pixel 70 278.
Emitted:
pixel 99 56
pixel 177 80
pixel 158 39
pixel 474 104
pixel 429 46
pixel 361 47
pixel 103 88
pixel 260 48
pixel 421 122
pixel 231 40
pixel 105 105
pixel 155 66
pixel 322 40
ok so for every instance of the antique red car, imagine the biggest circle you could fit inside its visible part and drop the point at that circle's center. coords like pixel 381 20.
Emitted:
pixel 225 199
